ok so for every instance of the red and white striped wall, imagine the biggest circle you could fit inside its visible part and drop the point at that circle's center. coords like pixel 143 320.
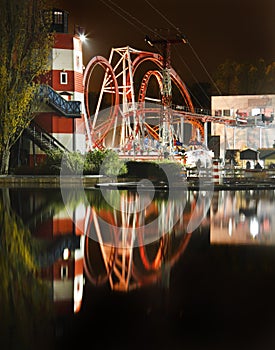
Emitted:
pixel 216 171
pixel 68 278
pixel 66 78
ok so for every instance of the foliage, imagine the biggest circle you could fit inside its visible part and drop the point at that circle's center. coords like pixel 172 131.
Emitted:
pixel 25 45
pixel 104 162
pixel 233 78
pixel 70 162
pixel 93 161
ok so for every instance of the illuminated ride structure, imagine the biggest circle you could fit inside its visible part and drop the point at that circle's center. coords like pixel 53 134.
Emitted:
pixel 134 246
pixel 134 122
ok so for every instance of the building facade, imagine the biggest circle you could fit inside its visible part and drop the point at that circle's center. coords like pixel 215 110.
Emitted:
pixel 59 123
pixel 252 121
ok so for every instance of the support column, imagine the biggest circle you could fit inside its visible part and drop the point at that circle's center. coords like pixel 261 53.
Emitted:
pixel 216 171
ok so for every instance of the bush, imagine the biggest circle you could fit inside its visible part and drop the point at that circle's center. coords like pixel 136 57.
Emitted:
pixel 95 162
pixel 104 162
pixel 71 162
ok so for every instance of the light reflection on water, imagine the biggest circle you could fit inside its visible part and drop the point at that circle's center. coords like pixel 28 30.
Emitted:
pixel 127 262
pixel 243 217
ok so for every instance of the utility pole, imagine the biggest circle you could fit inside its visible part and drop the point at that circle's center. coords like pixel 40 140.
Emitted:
pixel 165 128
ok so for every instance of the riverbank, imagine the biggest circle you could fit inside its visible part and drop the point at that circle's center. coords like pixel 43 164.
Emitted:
pixel 99 181
pixel 48 180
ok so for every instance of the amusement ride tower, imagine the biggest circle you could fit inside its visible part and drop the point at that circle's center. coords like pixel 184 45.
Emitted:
pixel 166 122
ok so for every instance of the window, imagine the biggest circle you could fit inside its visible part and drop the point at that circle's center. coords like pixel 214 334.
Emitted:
pixel 64 272
pixel 58 17
pixel 63 78
pixel 226 112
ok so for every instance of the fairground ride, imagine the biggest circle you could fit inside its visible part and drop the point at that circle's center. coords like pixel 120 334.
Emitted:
pixel 126 117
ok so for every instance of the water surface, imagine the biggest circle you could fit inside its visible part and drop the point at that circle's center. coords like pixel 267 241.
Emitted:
pixel 141 270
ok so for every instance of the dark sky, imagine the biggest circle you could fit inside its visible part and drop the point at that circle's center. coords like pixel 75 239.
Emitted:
pixel 241 30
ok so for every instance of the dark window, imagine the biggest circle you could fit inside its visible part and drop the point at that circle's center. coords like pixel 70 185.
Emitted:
pixel 58 17
pixel 63 78
pixel 226 112
pixel 64 272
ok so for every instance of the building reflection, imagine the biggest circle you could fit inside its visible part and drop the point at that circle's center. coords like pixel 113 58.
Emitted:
pixel 124 239
pixel 243 217
pixel 95 252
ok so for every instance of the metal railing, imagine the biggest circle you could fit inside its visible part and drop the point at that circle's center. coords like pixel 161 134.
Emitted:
pixel 43 139
pixel 67 108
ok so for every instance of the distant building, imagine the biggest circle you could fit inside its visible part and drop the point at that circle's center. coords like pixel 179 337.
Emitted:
pixel 267 155
pixel 252 123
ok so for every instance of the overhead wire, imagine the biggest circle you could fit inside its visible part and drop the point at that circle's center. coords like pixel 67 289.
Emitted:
pixel 129 15
pixel 194 52
pixel 193 76
pixel 119 10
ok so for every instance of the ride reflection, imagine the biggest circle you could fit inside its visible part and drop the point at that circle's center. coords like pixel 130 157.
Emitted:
pixel 133 239
pixel 126 239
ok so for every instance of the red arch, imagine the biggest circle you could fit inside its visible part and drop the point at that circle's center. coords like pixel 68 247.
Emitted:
pixel 145 81
pixel 104 63
pixel 158 60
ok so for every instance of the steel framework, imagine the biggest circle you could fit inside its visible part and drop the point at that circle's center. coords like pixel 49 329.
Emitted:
pixel 129 120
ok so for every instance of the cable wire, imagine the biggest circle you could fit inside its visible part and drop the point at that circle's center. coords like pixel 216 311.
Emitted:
pixel 129 15
pixel 194 52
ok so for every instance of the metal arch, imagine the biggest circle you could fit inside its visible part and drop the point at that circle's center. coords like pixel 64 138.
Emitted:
pixel 93 276
pixel 197 124
pixel 145 81
pixel 144 84
pixel 158 60
pixel 108 77
pixel 96 131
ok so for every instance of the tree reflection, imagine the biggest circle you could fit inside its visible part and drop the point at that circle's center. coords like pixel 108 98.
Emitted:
pixel 24 297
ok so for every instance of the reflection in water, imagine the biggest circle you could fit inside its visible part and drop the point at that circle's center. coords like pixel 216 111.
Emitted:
pixel 121 238
pixel 135 241
pixel 23 295
pixel 130 236
pixel 244 217
pixel 69 266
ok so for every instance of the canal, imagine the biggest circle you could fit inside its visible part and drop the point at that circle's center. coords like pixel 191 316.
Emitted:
pixel 136 269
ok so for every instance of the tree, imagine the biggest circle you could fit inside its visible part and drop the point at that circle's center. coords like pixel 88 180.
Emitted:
pixel 233 78
pixel 25 46
pixel 226 77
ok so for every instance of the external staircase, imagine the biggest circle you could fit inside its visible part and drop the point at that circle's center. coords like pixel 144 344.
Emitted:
pixel 66 108
pixel 43 139
pixel 71 109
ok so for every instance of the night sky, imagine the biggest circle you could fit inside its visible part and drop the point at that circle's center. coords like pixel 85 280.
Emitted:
pixel 241 30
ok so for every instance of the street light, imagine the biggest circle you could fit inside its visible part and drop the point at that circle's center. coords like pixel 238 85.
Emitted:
pixel 80 31
pixel 82 37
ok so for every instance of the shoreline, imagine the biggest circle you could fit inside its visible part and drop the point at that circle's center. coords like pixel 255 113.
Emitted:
pixel 93 180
